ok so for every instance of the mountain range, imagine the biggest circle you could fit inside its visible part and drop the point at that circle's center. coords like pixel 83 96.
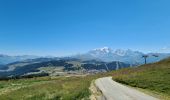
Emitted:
pixel 6 59
pixel 96 60
pixel 105 54
pixel 128 56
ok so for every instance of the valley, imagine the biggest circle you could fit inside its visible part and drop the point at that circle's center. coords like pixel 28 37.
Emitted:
pixel 95 61
pixel 58 67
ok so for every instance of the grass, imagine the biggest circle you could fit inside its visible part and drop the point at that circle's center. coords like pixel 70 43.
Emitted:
pixel 48 88
pixel 73 88
pixel 153 77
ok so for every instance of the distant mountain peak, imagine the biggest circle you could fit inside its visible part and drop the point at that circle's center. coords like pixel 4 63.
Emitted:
pixel 120 52
pixel 104 49
pixel 128 56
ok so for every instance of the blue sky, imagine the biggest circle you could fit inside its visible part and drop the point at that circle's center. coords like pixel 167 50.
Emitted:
pixel 66 27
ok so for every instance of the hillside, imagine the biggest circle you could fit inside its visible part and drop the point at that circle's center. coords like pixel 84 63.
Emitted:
pixel 58 67
pixel 46 88
pixel 153 77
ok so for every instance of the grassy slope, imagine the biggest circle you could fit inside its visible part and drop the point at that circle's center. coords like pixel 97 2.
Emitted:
pixel 154 77
pixel 73 88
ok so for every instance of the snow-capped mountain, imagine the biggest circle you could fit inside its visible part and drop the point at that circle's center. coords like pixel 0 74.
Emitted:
pixel 100 51
pixel 120 52
pixel 104 50
pixel 128 56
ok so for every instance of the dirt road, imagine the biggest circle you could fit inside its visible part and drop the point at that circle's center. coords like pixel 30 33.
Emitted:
pixel 112 90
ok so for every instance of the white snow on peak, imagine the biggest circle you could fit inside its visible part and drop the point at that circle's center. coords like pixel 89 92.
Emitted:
pixel 120 52
pixel 117 52
pixel 104 49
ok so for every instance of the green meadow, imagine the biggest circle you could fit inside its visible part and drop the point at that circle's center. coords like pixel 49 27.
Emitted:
pixel 154 78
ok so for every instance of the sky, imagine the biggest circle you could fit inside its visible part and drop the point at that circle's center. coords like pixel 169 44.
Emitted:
pixel 67 27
